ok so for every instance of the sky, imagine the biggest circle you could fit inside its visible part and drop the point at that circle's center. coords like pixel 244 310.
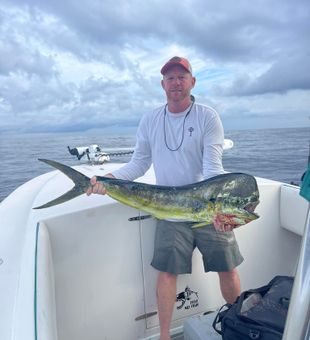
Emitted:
pixel 95 64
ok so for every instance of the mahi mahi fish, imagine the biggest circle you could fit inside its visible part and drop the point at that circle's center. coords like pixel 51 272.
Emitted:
pixel 232 197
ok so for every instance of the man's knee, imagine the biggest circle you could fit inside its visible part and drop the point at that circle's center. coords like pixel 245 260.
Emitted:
pixel 166 277
pixel 230 285
pixel 229 275
pixel 166 284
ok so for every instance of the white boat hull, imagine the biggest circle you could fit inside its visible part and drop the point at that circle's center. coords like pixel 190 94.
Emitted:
pixel 81 270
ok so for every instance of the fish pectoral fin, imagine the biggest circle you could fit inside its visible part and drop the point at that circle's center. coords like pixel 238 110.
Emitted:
pixel 199 225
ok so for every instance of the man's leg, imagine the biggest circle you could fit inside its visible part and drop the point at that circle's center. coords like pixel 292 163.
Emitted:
pixel 230 285
pixel 166 295
pixel 173 248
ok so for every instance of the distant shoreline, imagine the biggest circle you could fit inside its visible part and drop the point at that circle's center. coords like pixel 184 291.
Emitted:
pixel 129 132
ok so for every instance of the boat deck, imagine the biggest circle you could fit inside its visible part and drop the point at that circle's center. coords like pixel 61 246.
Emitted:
pixel 87 269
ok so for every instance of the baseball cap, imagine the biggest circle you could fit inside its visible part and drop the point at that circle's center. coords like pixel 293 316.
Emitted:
pixel 176 61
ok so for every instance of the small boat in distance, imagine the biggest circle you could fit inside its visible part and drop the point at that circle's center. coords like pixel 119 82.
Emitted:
pixel 96 155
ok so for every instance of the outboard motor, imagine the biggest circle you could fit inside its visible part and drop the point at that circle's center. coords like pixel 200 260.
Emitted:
pixel 79 152
pixel 93 153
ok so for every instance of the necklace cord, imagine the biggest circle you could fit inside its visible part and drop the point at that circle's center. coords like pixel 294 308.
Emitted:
pixel 165 134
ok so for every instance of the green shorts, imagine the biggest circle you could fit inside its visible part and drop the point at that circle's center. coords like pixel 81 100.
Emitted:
pixel 175 242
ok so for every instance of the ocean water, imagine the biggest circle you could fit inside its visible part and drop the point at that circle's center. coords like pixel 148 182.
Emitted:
pixel 279 154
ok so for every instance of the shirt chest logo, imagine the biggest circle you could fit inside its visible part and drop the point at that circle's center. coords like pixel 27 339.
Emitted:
pixel 190 130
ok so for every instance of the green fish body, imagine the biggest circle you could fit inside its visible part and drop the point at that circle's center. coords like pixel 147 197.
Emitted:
pixel 232 196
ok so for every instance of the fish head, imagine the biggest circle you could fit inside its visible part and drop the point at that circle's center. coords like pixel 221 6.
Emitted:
pixel 237 215
pixel 237 200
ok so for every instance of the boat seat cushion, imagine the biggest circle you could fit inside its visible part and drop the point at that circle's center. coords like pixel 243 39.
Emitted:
pixel 293 209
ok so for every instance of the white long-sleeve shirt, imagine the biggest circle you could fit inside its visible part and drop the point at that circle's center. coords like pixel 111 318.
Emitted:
pixel 199 155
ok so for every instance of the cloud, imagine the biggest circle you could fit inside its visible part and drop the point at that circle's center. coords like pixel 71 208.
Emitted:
pixel 81 65
pixel 287 73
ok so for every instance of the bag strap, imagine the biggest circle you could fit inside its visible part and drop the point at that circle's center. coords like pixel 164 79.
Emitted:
pixel 219 317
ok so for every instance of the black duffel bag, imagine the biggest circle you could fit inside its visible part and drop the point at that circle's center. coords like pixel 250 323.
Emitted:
pixel 257 313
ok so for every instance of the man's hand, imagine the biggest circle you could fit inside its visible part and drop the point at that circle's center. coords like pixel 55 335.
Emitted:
pixel 223 223
pixel 97 187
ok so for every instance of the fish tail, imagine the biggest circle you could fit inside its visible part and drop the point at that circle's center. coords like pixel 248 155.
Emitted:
pixel 81 184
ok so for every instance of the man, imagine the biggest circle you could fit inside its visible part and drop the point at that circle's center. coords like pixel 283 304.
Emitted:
pixel 184 142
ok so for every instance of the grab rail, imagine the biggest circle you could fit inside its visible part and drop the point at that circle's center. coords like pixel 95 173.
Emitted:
pixel 298 318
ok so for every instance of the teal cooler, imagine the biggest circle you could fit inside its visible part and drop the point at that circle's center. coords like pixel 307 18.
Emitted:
pixel 305 187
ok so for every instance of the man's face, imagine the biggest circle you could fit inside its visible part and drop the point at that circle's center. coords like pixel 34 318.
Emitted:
pixel 177 83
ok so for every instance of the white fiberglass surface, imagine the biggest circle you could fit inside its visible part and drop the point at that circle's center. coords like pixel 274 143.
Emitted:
pixel 103 280
pixel 98 279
